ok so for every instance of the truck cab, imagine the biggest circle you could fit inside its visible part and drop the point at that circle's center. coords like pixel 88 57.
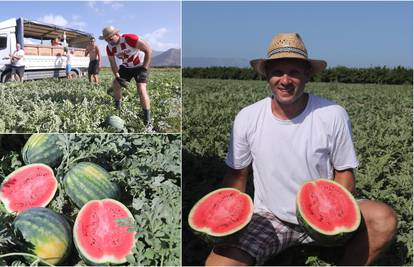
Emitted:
pixel 42 59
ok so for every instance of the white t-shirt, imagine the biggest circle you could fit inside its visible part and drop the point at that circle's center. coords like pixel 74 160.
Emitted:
pixel 286 153
pixel 68 58
pixel 19 62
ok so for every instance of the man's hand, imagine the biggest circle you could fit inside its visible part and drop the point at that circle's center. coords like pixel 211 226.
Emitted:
pixel 346 178
pixel 122 82
pixel 237 178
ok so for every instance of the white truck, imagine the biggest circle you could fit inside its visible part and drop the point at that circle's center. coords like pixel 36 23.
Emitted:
pixel 42 59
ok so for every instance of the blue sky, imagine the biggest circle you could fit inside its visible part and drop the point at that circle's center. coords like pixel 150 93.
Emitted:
pixel 157 22
pixel 353 34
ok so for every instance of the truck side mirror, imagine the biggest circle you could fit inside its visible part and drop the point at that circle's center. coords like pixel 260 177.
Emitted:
pixel 5 58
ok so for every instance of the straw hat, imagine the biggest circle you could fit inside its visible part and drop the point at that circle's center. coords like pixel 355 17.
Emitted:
pixel 287 45
pixel 108 32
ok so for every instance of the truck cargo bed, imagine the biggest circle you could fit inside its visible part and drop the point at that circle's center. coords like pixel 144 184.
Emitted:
pixel 49 50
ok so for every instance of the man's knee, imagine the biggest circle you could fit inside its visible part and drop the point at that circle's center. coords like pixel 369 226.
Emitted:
pixel 381 218
pixel 229 256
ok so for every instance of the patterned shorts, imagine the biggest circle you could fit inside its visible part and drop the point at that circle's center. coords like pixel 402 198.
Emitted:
pixel 266 236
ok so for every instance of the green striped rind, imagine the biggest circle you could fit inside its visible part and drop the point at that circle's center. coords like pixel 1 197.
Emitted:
pixel 335 238
pixel 115 122
pixel 87 181
pixel 206 233
pixel 108 260
pixel 42 148
pixel 47 234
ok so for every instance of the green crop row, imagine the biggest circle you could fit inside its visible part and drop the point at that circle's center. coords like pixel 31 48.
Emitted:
pixel 381 117
pixel 69 106
pixel 384 75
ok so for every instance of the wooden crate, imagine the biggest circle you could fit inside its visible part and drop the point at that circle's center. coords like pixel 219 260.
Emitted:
pixel 30 51
pixel 45 51
pixel 57 51
pixel 79 52
pixel 48 50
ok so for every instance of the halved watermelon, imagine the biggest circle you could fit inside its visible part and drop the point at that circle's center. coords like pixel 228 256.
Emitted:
pixel 327 211
pixel 30 186
pixel 98 235
pixel 222 212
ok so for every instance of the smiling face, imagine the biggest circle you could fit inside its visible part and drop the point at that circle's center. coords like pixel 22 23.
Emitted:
pixel 113 40
pixel 287 79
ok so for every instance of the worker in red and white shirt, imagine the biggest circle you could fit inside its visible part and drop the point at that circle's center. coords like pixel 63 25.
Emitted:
pixel 129 48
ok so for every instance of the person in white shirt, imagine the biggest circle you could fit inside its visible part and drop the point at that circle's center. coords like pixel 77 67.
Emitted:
pixel 17 64
pixel 68 53
pixel 286 139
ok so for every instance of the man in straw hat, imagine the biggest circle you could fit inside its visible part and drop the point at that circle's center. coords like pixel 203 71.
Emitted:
pixel 286 139
pixel 127 48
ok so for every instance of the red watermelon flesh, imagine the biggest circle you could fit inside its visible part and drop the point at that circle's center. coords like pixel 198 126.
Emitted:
pixel 222 212
pixel 327 206
pixel 31 186
pixel 99 236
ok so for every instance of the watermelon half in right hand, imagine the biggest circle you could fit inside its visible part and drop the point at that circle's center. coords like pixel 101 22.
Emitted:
pixel 222 212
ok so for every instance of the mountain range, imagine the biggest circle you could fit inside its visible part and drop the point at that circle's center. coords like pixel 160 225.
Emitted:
pixel 170 58
pixel 215 61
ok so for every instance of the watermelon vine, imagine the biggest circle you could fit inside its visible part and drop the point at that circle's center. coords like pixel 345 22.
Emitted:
pixel 147 168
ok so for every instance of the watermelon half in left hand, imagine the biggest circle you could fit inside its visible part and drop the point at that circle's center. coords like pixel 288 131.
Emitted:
pixel 327 211
pixel 30 186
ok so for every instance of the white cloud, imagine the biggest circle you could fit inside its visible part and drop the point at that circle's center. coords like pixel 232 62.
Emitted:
pixel 97 6
pixel 54 19
pixel 94 7
pixel 155 40
pixel 117 5
pixel 77 23
pixel 59 20
pixel 91 4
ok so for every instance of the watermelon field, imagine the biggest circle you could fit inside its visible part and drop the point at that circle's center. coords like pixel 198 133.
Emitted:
pixel 144 169
pixel 382 122
pixel 69 106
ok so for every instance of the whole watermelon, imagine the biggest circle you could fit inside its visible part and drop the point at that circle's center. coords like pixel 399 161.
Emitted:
pixel 43 148
pixel 47 234
pixel 115 122
pixel 88 181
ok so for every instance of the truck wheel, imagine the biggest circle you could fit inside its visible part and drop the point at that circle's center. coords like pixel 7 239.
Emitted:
pixel 8 78
pixel 73 74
